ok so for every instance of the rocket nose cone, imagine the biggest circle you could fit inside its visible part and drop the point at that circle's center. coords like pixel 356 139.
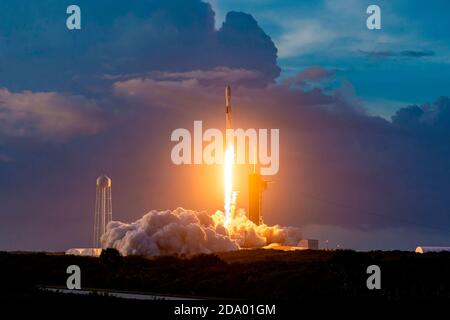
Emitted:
pixel 228 91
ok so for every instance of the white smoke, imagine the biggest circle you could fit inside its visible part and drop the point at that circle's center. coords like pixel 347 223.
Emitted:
pixel 191 232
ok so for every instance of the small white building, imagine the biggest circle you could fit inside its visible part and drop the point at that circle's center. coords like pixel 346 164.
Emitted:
pixel 422 249
pixel 93 252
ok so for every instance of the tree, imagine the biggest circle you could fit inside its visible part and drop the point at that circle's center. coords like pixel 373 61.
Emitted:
pixel 111 258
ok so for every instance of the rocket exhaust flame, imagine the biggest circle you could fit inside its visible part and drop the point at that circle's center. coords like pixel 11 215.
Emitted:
pixel 228 179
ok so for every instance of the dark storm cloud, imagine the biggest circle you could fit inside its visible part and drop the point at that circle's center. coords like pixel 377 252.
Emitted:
pixel 255 50
pixel 408 116
pixel 396 54
pixel 37 52
pixel 431 119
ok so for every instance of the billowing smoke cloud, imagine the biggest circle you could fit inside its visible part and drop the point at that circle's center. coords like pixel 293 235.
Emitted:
pixel 188 232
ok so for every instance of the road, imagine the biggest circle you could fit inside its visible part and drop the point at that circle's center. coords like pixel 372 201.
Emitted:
pixel 118 294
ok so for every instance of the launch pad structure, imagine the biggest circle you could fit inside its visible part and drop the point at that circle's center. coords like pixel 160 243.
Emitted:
pixel 102 216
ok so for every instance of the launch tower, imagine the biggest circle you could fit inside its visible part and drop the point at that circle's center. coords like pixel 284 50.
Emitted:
pixel 256 186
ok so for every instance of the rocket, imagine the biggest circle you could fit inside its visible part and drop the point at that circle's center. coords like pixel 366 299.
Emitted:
pixel 228 105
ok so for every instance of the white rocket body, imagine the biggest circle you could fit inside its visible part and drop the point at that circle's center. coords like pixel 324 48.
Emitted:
pixel 228 105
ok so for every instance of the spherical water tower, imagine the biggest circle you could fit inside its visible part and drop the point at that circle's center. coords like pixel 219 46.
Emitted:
pixel 103 208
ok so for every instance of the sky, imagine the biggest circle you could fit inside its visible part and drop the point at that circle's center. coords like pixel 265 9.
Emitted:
pixel 364 115
pixel 333 34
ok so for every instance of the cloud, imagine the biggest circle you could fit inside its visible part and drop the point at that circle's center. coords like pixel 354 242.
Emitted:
pixel 216 76
pixel 310 74
pixel 196 96
pixel 221 73
pixel 6 158
pixel 164 93
pixel 397 54
pixel 432 118
pixel 416 54
pixel 243 44
pixel 128 38
pixel 303 37
pixel 408 116
pixel 47 115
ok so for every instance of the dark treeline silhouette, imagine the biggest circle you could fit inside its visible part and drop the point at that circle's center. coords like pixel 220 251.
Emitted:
pixel 246 274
